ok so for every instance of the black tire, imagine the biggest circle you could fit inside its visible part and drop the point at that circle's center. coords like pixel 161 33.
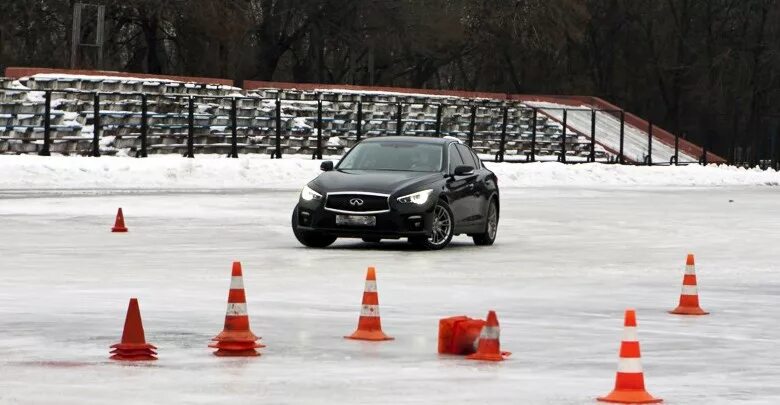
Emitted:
pixel 308 238
pixel 442 231
pixel 491 226
pixel 371 239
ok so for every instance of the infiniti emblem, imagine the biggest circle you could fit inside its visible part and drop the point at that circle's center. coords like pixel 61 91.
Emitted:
pixel 356 202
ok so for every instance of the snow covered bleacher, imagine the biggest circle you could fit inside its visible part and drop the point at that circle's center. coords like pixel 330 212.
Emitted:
pixel 127 107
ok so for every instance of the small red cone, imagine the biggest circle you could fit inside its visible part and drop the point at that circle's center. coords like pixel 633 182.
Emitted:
pixel 689 297
pixel 119 223
pixel 489 345
pixel 236 339
pixel 133 346
pixel 369 324
pixel 630 380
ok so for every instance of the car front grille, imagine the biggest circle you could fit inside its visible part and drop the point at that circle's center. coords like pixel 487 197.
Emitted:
pixel 359 203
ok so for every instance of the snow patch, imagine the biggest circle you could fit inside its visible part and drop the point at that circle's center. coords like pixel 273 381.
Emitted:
pixel 260 172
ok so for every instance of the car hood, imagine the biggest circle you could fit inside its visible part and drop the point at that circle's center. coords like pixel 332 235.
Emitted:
pixel 374 181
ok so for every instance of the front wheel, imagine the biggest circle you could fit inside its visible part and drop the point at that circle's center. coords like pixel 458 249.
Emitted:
pixel 491 227
pixel 442 229
pixel 309 238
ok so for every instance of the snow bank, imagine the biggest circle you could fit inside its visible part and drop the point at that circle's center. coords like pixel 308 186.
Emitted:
pixel 213 172
pixel 597 175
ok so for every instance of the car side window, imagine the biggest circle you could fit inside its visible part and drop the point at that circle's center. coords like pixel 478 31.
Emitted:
pixel 476 159
pixel 455 159
pixel 468 158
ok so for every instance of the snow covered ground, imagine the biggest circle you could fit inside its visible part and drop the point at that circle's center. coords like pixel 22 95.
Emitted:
pixel 577 245
pixel 173 172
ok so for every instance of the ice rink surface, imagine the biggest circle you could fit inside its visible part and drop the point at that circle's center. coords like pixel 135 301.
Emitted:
pixel 566 264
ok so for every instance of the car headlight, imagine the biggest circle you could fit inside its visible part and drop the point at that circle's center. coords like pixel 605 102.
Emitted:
pixel 307 194
pixel 419 198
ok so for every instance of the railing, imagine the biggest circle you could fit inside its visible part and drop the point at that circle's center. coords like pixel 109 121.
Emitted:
pixel 473 107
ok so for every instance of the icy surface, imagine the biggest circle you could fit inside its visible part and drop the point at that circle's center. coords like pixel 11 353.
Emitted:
pixel 255 171
pixel 567 262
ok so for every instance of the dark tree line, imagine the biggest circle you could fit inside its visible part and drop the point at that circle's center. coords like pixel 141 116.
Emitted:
pixel 706 68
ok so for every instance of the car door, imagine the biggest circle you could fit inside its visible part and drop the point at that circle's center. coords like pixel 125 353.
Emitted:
pixel 460 190
pixel 476 201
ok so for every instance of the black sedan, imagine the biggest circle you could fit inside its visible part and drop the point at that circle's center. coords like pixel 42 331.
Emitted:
pixel 423 189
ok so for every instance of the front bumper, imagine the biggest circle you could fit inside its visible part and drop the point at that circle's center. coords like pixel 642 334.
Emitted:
pixel 403 220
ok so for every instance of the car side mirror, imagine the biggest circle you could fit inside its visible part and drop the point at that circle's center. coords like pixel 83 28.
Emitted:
pixel 463 170
pixel 326 166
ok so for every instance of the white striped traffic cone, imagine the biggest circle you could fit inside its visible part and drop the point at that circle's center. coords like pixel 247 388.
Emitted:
pixel 630 380
pixel 236 339
pixel 488 344
pixel 369 324
pixel 689 297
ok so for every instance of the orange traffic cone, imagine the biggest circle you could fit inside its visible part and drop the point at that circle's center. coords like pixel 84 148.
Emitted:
pixel 630 381
pixel 236 339
pixel 489 346
pixel 119 223
pixel 689 297
pixel 459 335
pixel 369 324
pixel 133 346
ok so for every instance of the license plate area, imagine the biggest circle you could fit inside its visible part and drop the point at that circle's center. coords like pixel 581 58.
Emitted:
pixel 356 220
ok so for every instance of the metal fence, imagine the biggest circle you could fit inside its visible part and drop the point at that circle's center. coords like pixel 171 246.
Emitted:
pixel 188 101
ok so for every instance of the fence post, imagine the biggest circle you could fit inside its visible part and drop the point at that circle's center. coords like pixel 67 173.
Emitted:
pixel 776 151
pixel 622 135
pixel 438 120
pixel 359 126
pixel 233 128
pixel 96 126
pixel 533 135
pixel 649 143
pixel 705 147
pixel 144 126
pixel 46 124
pixel 562 156
pixel 318 153
pixel 190 127
pixel 278 148
pixel 472 126
pixel 398 122
pixel 502 144
pixel 592 154
pixel 676 157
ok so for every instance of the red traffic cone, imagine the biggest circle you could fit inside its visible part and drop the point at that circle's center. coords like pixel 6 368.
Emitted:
pixel 119 223
pixel 369 324
pixel 489 345
pixel 630 380
pixel 236 339
pixel 133 346
pixel 689 297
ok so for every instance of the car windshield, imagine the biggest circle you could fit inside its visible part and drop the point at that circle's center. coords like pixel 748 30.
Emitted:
pixel 401 156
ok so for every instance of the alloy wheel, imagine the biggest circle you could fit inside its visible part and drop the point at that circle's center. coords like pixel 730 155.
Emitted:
pixel 492 227
pixel 442 226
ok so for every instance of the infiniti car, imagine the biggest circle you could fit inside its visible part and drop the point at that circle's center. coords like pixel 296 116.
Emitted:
pixel 424 189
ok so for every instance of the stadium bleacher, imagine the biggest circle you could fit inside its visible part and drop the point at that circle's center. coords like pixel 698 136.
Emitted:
pixel 122 101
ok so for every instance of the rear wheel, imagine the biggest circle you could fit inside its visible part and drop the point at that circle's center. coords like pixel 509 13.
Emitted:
pixel 491 226
pixel 310 238
pixel 441 229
